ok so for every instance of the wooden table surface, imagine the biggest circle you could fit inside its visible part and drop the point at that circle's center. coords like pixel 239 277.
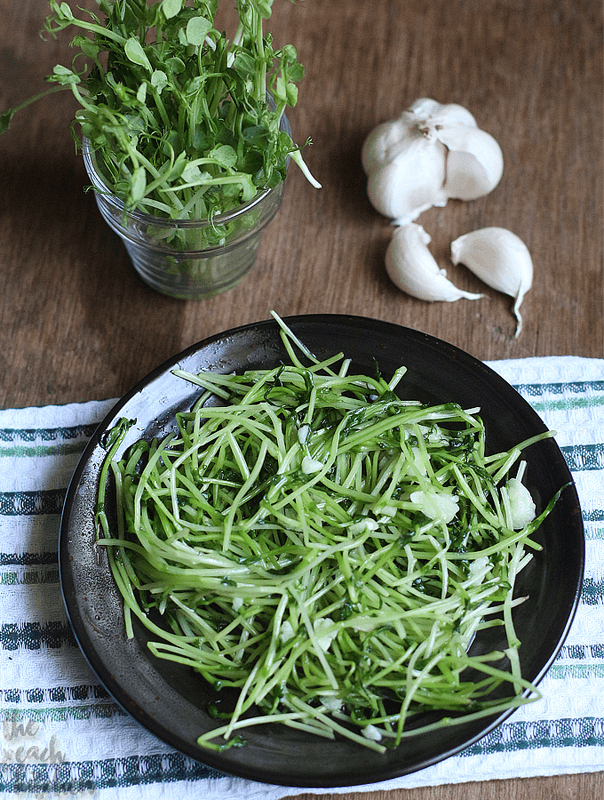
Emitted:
pixel 77 323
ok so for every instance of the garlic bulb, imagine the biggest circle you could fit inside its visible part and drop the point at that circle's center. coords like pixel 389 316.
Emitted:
pixel 431 153
pixel 500 259
pixel 412 267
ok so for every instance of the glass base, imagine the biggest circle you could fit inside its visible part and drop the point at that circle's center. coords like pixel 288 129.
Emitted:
pixel 195 278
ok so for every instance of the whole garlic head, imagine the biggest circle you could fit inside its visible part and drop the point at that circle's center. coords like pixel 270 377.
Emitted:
pixel 431 153
pixel 412 267
pixel 499 258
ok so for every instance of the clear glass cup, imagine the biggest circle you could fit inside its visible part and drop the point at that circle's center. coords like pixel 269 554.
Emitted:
pixel 172 256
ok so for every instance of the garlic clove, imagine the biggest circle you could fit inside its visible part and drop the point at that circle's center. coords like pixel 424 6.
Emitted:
pixel 412 267
pixel 435 114
pixel 386 141
pixel 424 107
pixel 454 114
pixel 413 182
pixel 499 258
pixel 474 161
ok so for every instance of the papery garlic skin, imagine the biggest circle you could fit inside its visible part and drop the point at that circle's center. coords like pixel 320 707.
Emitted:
pixel 412 267
pixel 411 183
pixel 474 162
pixel 499 258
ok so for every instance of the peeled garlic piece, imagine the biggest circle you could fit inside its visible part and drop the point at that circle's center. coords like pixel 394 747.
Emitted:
pixel 522 505
pixel 474 161
pixel 500 259
pixel 413 268
pixel 436 505
pixel 320 625
pixel 411 183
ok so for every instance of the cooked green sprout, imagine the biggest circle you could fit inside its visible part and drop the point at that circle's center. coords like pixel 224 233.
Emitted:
pixel 325 550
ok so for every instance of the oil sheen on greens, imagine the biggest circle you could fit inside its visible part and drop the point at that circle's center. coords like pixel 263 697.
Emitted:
pixel 323 552
pixel 184 121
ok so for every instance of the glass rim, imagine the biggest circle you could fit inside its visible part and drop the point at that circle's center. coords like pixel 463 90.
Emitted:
pixel 104 191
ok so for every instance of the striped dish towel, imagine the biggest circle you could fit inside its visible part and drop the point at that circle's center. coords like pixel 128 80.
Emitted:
pixel 63 735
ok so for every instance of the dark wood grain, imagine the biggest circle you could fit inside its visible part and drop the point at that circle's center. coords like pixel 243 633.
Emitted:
pixel 77 323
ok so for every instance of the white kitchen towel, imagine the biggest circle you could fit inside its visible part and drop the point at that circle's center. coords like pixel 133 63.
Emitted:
pixel 62 735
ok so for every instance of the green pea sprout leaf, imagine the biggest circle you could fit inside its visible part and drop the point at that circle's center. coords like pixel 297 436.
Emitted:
pixel 158 84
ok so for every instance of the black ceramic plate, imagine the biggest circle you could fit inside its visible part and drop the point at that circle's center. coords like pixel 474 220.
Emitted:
pixel 170 700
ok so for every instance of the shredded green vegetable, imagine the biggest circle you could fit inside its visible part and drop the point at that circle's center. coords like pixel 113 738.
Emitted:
pixel 325 549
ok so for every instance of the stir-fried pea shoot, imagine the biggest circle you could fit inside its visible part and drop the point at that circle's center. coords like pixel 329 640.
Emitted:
pixel 185 122
pixel 325 549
